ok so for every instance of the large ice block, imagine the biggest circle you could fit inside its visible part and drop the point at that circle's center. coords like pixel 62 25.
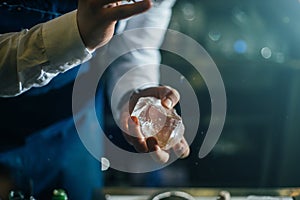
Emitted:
pixel 157 121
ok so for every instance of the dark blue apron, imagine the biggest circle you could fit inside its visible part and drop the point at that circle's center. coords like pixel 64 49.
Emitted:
pixel 39 107
pixel 37 134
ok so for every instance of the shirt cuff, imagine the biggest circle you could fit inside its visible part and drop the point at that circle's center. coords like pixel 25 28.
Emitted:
pixel 63 42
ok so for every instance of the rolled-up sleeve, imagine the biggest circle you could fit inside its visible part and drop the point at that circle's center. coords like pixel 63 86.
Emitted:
pixel 31 58
pixel 139 68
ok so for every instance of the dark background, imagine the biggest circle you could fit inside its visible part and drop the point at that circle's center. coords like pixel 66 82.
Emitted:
pixel 255 45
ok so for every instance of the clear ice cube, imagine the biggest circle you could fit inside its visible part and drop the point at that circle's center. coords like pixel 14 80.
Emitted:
pixel 157 121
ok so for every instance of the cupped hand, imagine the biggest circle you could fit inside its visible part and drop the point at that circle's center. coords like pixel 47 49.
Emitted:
pixel 96 19
pixel 131 128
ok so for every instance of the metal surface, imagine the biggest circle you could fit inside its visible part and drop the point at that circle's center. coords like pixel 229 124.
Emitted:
pixel 204 193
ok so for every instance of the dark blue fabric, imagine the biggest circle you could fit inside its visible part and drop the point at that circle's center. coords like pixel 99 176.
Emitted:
pixel 54 158
pixel 20 14
pixel 36 109
pixel 39 107
pixel 38 138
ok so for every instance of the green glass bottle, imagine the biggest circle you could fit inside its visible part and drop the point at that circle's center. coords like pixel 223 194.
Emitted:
pixel 16 195
pixel 59 194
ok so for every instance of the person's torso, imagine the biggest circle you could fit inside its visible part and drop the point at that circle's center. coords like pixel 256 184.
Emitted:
pixel 39 107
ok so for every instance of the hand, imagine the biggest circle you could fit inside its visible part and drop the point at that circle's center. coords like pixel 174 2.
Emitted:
pixel 96 19
pixel 131 129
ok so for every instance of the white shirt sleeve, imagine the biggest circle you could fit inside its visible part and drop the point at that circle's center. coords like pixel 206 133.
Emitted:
pixel 138 68
pixel 31 58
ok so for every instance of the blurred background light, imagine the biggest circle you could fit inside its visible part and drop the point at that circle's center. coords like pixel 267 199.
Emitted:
pixel 266 52
pixel 240 46
pixel 286 19
pixel 214 35
pixel 239 15
pixel 280 58
pixel 188 11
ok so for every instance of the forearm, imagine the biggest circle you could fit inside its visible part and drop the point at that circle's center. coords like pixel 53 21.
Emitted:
pixel 33 57
pixel 140 68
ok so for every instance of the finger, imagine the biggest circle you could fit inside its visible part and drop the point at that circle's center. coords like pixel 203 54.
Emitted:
pixel 127 10
pixel 157 153
pixel 135 136
pixel 97 3
pixel 168 95
pixel 110 5
pixel 106 2
pixel 181 149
